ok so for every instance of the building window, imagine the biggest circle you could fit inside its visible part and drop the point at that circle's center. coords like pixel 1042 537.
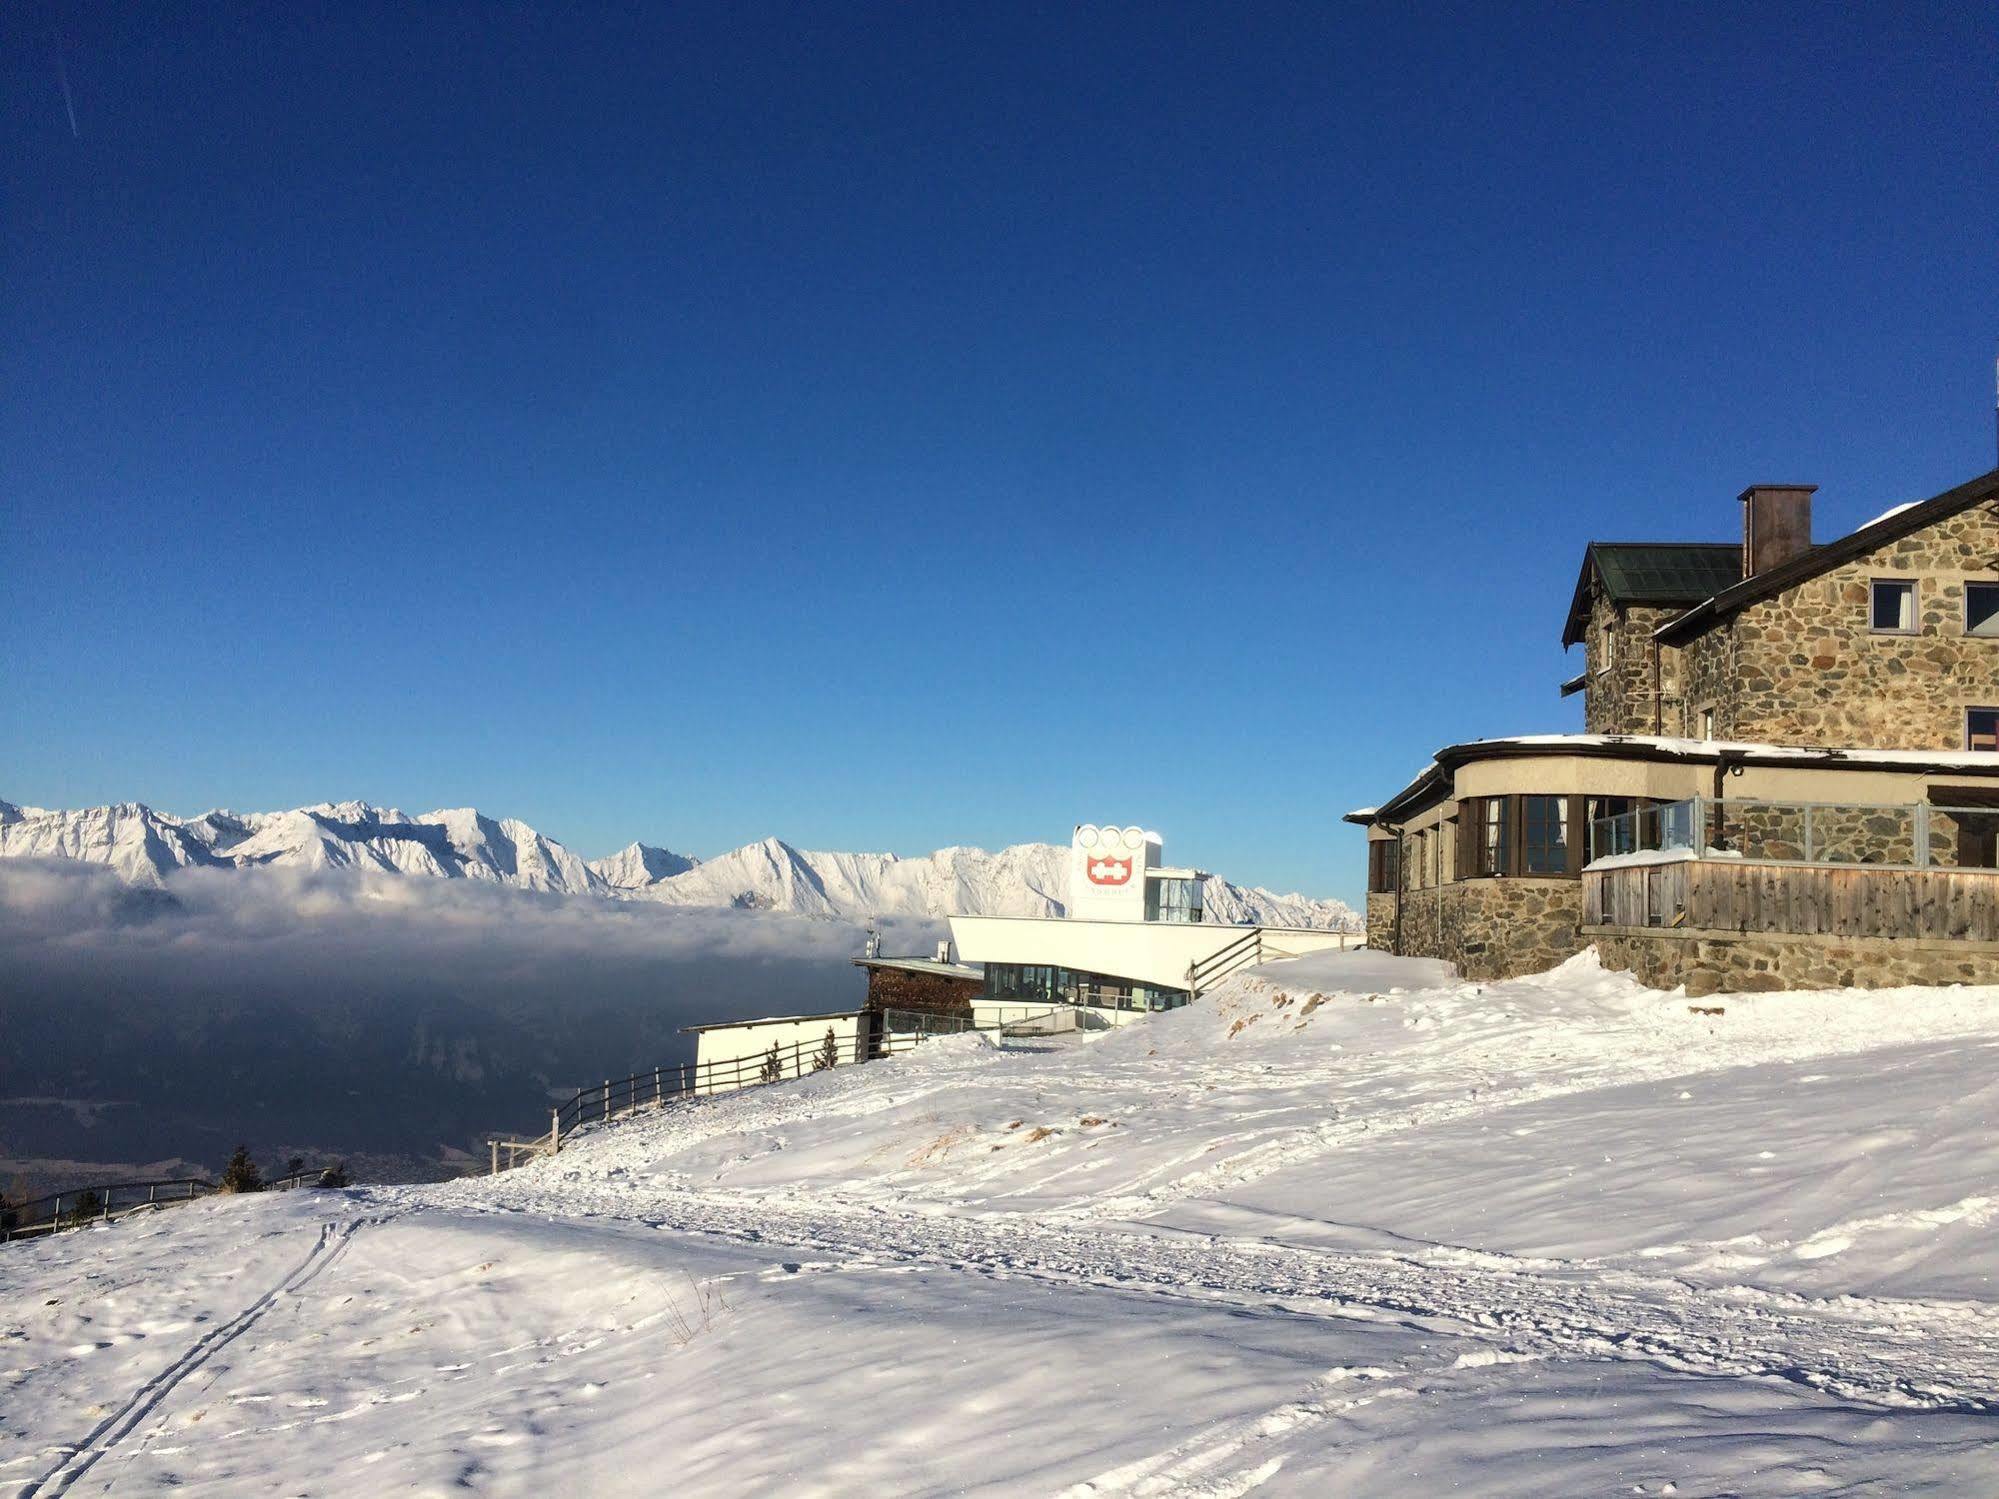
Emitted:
pixel 1981 728
pixel 1544 835
pixel 1606 644
pixel 1519 835
pixel 1707 723
pixel 1384 857
pixel 1485 837
pixel 1981 609
pixel 1892 610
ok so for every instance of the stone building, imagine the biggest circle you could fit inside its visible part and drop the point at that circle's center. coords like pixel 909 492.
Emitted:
pixel 1790 773
pixel 922 986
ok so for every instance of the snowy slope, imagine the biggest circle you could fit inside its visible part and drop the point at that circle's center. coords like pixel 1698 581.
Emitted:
pixel 1348 1228
pixel 1029 879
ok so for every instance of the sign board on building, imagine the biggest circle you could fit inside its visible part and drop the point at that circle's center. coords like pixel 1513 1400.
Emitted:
pixel 1107 868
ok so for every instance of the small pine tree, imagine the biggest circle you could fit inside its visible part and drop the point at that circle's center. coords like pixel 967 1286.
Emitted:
pixel 241 1174
pixel 86 1207
pixel 295 1166
pixel 773 1068
pixel 828 1056
pixel 335 1175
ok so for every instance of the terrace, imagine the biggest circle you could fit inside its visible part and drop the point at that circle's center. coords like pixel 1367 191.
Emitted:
pixel 1925 871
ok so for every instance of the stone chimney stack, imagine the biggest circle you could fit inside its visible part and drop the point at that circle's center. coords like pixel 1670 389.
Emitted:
pixel 1776 525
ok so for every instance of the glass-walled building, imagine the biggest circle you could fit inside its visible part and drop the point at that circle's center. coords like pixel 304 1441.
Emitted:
pixel 1172 895
pixel 1047 983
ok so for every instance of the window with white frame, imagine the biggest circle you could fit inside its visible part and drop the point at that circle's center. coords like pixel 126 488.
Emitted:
pixel 1606 644
pixel 1891 608
pixel 1981 728
pixel 1981 609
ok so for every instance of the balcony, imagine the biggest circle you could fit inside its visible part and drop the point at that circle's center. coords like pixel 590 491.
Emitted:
pixel 1919 871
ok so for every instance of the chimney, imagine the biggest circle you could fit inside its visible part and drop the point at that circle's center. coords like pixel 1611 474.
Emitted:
pixel 1776 525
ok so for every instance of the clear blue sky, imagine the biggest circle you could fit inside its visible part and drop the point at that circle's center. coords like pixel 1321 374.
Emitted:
pixel 888 427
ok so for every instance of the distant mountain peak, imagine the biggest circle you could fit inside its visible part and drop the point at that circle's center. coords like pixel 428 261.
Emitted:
pixel 637 865
pixel 1027 879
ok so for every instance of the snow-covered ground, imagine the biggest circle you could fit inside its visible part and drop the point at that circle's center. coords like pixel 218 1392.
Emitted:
pixel 1347 1226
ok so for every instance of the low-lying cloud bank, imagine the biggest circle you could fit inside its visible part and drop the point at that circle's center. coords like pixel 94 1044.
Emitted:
pixel 391 1020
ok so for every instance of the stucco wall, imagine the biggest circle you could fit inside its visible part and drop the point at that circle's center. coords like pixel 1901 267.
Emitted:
pixel 733 1054
pixel 1726 963
pixel 1804 668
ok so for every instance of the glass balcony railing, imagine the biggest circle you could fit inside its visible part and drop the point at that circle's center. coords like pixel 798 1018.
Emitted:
pixel 1901 835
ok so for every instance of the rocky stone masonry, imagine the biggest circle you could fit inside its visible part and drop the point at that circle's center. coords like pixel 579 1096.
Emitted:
pixel 1763 962
pixel 1621 700
pixel 1493 929
pixel 924 993
pixel 1838 835
pixel 1804 668
pixel 1381 922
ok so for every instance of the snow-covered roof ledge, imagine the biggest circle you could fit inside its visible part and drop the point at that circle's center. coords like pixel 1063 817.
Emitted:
pixel 1641 857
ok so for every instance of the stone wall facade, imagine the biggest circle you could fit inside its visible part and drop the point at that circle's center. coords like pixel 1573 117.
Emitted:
pixel 1492 929
pixel 925 993
pixel 1821 834
pixel 1805 668
pixel 1620 695
pixel 1747 963
pixel 1381 922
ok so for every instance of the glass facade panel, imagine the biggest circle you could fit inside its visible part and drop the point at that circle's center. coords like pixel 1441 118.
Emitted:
pixel 1173 900
pixel 1037 983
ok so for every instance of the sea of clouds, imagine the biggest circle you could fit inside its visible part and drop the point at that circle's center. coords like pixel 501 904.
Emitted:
pixel 393 1021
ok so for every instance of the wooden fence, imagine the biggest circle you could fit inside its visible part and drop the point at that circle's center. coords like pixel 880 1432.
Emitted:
pixel 1852 900
pixel 105 1202
pixel 659 1086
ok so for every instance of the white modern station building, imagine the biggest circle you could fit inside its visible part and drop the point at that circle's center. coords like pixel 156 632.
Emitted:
pixel 1134 940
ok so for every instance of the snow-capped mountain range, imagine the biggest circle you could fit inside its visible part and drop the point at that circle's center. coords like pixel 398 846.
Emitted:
pixel 147 847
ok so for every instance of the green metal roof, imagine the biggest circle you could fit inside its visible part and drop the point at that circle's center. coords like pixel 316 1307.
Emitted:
pixel 1654 572
pixel 1666 572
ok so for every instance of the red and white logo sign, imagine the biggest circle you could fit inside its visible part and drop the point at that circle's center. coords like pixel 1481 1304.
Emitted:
pixel 1104 871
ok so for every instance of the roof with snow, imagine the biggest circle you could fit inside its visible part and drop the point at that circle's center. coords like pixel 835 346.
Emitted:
pixel 926 965
pixel 1434 780
pixel 1901 521
pixel 1652 572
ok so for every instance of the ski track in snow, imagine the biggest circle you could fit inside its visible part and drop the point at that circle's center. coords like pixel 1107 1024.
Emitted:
pixel 150 1396
pixel 1893 1353
pixel 921 1171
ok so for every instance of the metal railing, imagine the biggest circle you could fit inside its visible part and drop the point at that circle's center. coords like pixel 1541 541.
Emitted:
pixel 1893 835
